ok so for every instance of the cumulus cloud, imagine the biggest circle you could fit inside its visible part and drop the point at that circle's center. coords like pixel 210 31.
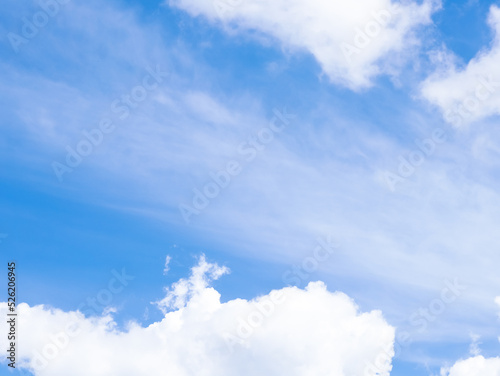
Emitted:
pixel 182 291
pixel 472 92
pixel 476 366
pixel 290 331
pixel 352 41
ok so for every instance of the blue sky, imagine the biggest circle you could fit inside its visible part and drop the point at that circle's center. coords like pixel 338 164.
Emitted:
pixel 220 82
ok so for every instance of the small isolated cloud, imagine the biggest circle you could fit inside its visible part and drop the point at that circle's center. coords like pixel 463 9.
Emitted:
pixel 474 349
pixel 290 331
pixel 468 94
pixel 352 41
pixel 166 268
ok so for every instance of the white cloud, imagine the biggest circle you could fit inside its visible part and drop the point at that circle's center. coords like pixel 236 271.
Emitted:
pixel 352 41
pixel 301 332
pixel 476 366
pixel 474 348
pixel 181 292
pixel 470 93
pixel 166 268
pixel 291 193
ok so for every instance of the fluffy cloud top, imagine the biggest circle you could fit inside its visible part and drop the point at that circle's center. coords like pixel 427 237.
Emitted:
pixel 351 40
pixel 288 332
pixel 473 92
pixel 476 366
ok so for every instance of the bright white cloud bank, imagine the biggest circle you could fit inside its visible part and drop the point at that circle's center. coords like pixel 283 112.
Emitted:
pixel 288 332
pixel 352 40
pixel 470 93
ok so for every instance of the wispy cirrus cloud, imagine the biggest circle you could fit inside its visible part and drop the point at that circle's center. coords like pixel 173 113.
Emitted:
pixel 319 176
